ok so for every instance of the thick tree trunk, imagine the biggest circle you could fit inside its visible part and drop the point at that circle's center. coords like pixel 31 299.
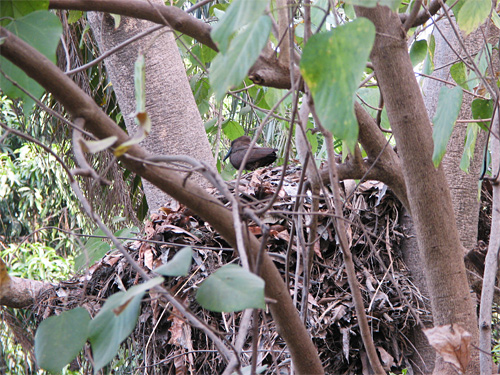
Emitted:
pixel 177 128
pixel 428 192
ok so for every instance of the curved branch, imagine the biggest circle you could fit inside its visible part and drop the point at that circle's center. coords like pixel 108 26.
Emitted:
pixel 266 71
pixel 382 163
pixel 177 19
pixel 78 104
pixel 423 15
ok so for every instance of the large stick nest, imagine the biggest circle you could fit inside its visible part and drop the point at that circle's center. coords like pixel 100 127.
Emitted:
pixel 164 343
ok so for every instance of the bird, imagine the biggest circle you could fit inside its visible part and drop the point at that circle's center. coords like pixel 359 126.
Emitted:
pixel 259 156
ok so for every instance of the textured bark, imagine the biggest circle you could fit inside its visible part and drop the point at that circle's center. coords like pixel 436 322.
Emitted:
pixel 428 192
pixel 79 105
pixel 463 186
pixel 19 293
pixel 424 356
pixel 266 71
pixel 177 128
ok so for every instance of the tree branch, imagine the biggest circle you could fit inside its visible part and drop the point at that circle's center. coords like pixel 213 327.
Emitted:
pixel 266 71
pixel 78 104
pixel 422 16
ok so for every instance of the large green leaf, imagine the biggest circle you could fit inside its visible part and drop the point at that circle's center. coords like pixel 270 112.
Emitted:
pixel 116 321
pixel 59 339
pixel 393 4
pixel 473 14
pixel 42 30
pixel 231 288
pixel 449 103
pixel 230 68
pixel 332 65
pixel 13 9
pixel 178 265
pixel 239 14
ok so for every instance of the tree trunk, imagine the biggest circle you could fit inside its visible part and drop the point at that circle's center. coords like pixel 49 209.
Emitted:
pixel 177 128
pixel 428 192
pixel 463 186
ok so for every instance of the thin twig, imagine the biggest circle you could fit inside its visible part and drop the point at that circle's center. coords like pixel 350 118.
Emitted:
pixel 349 264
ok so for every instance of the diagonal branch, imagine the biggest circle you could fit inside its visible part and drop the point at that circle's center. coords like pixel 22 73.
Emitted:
pixel 266 71
pixel 78 104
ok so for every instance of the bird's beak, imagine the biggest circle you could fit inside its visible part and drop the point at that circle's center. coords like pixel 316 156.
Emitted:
pixel 228 153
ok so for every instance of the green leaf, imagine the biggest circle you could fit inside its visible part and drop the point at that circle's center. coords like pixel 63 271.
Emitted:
pixel 207 54
pixel 458 72
pixel 312 137
pixel 449 103
pixel 42 30
pixel 482 109
pixel 371 96
pixel 318 12
pixel 418 51
pixel 179 265
pixel 231 288
pixel 458 6
pixel 230 68
pixel 496 19
pixel 332 65
pixel 239 14
pixel 232 129
pixel 59 339
pixel 74 16
pixel 94 249
pixel 13 9
pixel 210 125
pixel 393 4
pixel 116 321
pixel 428 66
pixel 97 146
pixel 481 61
pixel 470 145
pixel 473 14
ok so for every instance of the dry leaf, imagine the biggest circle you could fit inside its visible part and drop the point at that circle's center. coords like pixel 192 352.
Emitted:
pixel 386 358
pixel 453 343
pixel 317 250
pixel 255 230
pixel 148 258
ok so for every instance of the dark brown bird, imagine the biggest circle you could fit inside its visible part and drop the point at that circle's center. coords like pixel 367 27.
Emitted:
pixel 259 156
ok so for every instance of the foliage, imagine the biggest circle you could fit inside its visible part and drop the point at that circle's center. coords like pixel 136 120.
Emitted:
pixel 36 261
pixel 33 261
pixel 28 181
pixel 231 288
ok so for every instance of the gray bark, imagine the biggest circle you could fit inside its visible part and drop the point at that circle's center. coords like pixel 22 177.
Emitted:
pixel 463 186
pixel 177 128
